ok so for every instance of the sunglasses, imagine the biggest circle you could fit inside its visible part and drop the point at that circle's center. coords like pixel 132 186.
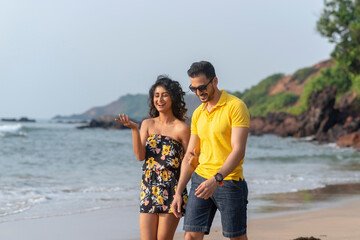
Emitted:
pixel 201 88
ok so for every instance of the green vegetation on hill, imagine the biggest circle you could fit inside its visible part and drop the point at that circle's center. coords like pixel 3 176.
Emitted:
pixel 258 100
pixel 257 93
pixel 302 74
pixel 330 76
pixel 340 23
pixel 277 102
pixel 135 106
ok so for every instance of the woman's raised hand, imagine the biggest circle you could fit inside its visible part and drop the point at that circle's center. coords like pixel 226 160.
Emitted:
pixel 124 120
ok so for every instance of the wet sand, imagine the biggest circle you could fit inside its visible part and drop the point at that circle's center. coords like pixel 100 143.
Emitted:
pixel 335 223
pixel 327 213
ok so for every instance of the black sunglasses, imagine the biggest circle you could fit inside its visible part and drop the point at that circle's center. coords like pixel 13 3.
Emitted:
pixel 201 88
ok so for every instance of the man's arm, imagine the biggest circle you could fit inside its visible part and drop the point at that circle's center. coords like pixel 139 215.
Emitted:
pixel 185 173
pixel 238 143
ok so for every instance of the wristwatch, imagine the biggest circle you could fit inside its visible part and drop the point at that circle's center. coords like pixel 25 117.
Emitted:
pixel 219 178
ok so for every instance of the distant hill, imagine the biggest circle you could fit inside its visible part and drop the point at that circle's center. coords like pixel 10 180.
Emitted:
pixel 281 93
pixel 135 105
pixel 276 93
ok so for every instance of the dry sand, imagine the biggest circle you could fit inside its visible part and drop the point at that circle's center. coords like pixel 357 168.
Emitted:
pixel 340 222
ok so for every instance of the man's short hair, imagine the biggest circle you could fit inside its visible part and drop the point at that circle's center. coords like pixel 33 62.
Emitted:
pixel 202 67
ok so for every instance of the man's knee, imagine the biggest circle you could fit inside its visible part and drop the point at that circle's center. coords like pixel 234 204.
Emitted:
pixel 194 235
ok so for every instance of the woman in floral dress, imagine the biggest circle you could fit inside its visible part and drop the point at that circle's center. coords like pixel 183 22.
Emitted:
pixel 161 143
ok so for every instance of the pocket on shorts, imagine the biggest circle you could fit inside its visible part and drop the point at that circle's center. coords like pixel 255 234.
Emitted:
pixel 241 186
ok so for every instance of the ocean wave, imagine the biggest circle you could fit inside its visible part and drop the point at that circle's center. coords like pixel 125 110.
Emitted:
pixel 11 130
pixel 302 157
pixel 16 206
pixel 99 189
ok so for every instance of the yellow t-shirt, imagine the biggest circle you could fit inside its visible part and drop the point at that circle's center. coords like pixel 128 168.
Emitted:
pixel 214 130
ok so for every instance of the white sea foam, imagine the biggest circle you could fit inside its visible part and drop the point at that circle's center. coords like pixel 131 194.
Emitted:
pixel 19 204
pixel 11 130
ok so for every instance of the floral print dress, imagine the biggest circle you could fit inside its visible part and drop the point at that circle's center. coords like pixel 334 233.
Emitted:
pixel 161 172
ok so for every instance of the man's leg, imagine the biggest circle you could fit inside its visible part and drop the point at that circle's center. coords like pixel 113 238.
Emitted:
pixel 199 212
pixel 194 235
pixel 231 200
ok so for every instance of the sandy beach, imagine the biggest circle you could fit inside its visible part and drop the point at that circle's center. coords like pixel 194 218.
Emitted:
pixel 339 220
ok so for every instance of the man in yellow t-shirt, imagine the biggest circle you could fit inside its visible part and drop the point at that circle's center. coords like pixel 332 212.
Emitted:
pixel 214 158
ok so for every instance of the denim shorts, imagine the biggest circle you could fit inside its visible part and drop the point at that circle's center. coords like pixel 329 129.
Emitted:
pixel 230 199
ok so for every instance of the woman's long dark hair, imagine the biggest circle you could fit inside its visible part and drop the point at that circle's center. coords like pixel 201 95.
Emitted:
pixel 176 94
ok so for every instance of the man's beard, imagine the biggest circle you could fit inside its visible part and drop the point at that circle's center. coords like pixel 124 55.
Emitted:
pixel 206 97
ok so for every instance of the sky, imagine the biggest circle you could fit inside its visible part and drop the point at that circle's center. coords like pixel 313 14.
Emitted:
pixel 64 57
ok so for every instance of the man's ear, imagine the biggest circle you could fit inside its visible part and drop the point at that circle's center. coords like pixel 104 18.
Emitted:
pixel 215 81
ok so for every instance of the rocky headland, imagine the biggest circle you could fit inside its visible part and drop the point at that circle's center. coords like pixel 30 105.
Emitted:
pixel 22 119
pixel 323 121
pixel 105 121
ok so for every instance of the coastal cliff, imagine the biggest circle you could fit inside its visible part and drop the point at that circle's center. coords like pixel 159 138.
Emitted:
pixel 323 121
pixel 328 114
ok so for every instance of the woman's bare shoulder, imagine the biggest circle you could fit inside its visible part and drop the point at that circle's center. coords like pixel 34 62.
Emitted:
pixel 182 125
pixel 147 121
pixel 182 130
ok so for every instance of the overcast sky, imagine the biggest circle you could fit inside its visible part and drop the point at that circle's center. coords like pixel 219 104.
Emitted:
pixel 64 57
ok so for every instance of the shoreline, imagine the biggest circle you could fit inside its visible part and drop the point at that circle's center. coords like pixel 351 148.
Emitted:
pixel 337 222
pixel 327 213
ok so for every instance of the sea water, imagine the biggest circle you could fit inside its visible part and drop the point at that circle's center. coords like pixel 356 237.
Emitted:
pixel 51 169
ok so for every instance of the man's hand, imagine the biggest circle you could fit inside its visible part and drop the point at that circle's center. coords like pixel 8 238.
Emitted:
pixel 124 120
pixel 176 205
pixel 206 188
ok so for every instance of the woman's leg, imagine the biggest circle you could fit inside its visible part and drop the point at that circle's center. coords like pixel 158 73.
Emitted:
pixel 167 226
pixel 148 226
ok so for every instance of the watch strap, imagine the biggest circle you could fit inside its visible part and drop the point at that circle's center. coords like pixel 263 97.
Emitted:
pixel 219 178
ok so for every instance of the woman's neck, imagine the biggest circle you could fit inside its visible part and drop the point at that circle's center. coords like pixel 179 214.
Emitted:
pixel 166 118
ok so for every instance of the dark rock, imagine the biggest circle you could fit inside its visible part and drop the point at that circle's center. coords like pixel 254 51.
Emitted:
pixel 287 126
pixel 350 140
pixel 23 119
pixel 321 114
pixel 324 121
pixel 105 121
pixel 8 119
pixel 281 124
pixel 332 134
pixel 350 103
pixel 307 238
pixel 257 125
pixel 72 121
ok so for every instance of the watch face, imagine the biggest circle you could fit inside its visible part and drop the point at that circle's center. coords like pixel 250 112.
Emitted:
pixel 218 177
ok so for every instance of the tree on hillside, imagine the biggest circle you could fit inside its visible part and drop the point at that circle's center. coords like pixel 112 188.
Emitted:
pixel 340 22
